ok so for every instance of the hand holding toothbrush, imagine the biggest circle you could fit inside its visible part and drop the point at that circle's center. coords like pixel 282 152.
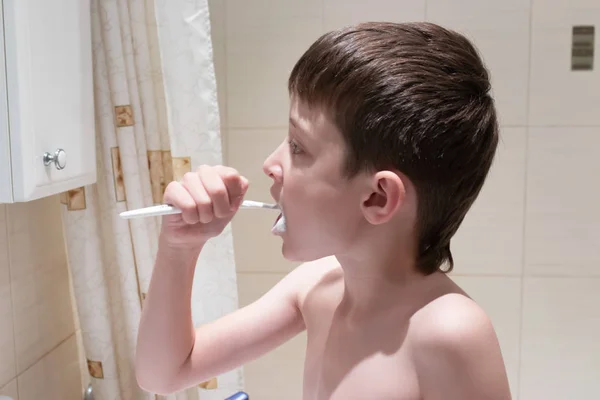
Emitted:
pixel 207 199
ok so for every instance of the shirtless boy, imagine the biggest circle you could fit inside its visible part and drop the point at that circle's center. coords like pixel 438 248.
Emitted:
pixel 392 133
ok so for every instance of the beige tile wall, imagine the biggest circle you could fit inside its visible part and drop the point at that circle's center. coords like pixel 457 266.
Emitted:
pixel 39 353
pixel 529 251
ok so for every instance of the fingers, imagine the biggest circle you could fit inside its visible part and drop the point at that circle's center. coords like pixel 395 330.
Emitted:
pixel 209 193
pixel 178 196
pixel 236 185
pixel 216 189
pixel 192 182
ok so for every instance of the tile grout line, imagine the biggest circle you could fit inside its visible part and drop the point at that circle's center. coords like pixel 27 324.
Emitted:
pixel 467 275
pixel 519 382
pixel 458 275
pixel 10 288
pixel 60 343
pixel 562 276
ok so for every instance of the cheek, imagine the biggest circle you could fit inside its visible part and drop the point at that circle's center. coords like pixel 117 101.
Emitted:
pixel 320 217
pixel 309 197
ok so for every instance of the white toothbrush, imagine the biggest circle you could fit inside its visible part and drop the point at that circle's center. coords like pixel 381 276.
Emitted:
pixel 166 209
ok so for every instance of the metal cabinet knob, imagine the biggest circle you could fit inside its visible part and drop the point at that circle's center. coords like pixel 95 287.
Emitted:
pixel 59 158
pixel 89 393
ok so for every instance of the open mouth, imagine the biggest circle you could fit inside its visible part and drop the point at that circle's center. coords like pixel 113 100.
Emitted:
pixel 279 226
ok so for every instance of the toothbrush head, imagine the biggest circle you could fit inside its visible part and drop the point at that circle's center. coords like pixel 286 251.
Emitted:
pixel 279 226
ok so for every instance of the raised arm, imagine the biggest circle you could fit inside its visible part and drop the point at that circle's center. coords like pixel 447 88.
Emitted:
pixel 171 354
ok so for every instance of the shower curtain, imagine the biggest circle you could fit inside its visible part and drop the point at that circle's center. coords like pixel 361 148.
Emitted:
pixel 156 119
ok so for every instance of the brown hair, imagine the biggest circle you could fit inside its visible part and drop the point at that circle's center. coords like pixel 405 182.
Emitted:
pixel 414 97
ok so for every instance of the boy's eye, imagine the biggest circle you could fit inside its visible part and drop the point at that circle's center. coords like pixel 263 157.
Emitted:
pixel 294 148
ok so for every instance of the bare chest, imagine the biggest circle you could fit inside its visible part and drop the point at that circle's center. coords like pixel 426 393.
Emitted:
pixel 359 362
pixel 328 377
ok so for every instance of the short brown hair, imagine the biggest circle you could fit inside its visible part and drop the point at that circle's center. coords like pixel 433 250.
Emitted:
pixel 414 97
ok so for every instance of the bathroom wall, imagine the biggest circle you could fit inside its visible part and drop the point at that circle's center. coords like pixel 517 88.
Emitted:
pixel 529 252
pixel 39 352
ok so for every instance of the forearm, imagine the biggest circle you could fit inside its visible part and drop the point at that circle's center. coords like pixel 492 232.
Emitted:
pixel 166 332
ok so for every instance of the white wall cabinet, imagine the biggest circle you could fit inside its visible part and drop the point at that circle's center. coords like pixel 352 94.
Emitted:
pixel 46 98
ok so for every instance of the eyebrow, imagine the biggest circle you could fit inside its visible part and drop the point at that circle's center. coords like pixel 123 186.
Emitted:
pixel 295 124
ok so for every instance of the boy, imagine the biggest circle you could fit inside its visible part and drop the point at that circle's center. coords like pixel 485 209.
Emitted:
pixel 392 133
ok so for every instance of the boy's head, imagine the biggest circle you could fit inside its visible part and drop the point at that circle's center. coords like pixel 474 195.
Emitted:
pixel 380 110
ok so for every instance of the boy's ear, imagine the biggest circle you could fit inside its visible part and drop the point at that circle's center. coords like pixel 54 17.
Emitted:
pixel 386 194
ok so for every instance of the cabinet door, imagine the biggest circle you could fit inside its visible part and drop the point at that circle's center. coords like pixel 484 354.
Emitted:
pixel 50 95
pixel 5 162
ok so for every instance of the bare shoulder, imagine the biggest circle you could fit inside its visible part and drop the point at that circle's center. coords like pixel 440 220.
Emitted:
pixel 301 280
pixel 456 350
pixel 314 275
pixel 451 320
pixel 311 274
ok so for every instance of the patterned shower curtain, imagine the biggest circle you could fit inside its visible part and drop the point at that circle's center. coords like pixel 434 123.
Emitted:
pixel 157 118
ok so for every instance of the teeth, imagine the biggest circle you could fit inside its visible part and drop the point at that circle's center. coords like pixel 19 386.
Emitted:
pixel 279 226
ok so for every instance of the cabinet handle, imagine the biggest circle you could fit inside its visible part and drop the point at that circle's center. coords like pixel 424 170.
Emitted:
pixel 59 158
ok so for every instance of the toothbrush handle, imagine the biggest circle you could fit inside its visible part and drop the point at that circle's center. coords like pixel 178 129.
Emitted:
pixel 166 209
pixel 163 209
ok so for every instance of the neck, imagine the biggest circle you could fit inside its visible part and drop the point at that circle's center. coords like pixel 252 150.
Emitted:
pixel 379 272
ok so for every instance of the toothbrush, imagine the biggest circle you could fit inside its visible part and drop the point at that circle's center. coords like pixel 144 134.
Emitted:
pixel 166 209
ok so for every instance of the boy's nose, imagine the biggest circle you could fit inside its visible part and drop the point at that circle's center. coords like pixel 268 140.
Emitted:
pixel 272 167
